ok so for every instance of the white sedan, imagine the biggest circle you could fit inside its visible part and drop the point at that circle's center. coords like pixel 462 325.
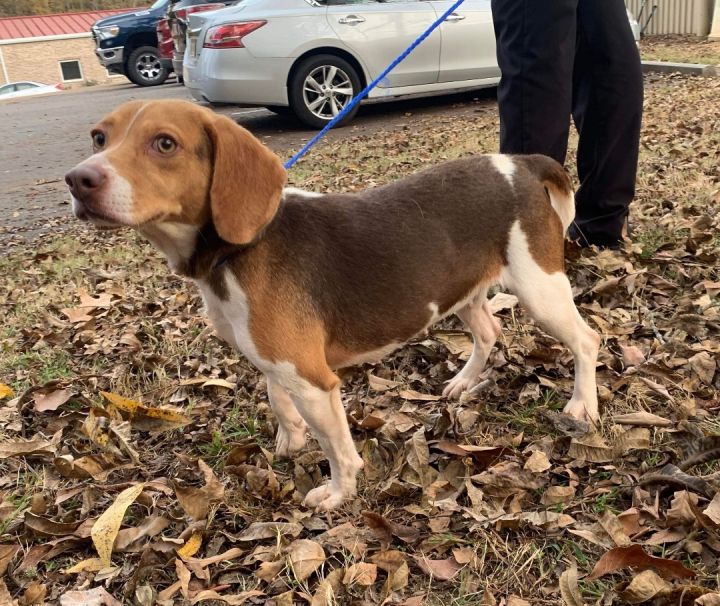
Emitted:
pixel 27 89
pixel 312 56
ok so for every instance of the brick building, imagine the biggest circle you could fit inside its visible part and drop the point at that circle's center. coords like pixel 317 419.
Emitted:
pixel 52 49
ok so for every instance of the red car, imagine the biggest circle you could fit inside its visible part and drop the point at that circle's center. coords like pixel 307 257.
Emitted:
pixel 165 41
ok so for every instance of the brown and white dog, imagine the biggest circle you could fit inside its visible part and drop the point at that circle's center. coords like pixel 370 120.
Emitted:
pixel 304 283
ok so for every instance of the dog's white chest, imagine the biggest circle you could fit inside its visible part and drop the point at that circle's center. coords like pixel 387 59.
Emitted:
pixel 231 318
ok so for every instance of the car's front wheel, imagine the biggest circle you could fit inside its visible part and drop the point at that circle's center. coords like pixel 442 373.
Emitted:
pixel 321 87
pixel 145 68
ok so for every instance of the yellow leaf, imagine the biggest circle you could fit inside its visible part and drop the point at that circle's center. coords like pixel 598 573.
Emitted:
pixel 107 525
pixel 89 565
pixel 191 547
pixel 5 391
pixel 146 417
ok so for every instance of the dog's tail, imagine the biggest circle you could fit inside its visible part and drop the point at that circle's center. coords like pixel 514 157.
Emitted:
pixel 556 182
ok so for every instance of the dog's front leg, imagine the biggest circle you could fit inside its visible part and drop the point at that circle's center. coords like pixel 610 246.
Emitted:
pixel 292 430
pixel 324 413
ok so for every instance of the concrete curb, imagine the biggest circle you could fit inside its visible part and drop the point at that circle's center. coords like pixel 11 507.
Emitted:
pixel 667 67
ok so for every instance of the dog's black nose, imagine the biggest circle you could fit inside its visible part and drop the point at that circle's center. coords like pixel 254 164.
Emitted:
pixel 84 181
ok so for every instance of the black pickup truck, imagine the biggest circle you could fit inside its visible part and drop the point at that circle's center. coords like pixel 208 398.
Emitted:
pixel 127 44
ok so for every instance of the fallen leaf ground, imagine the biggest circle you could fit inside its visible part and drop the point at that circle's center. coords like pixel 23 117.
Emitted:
pixel 496 499
pixel 681 49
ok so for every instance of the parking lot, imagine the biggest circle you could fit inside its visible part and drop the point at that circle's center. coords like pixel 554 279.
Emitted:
pixel 42 137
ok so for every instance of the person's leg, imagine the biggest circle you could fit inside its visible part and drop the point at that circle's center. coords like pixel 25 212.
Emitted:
pixel 535 51
pixel 607 108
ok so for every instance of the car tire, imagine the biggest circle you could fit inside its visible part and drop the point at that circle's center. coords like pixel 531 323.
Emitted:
pixel 325 71
pixel 145 68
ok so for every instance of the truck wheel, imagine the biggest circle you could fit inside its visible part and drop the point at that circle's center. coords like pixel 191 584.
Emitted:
pixel 145 68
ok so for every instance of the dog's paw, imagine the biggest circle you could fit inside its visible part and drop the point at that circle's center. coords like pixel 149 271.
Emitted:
pixel 324 498
pixel 289 443
pixel 583 411
pixel 459 384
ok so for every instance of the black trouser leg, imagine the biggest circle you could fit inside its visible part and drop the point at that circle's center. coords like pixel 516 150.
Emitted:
pixel 607 109
pixel 574 56
pixel 535 50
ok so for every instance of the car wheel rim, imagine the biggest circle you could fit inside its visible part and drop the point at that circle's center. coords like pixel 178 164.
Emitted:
pixel 148 66
pixel 326 91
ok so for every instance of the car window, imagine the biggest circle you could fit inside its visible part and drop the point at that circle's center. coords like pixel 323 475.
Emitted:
pixel 8 88
pixel 25 85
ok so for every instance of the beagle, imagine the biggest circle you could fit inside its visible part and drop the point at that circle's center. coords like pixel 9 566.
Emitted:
pixel 304 283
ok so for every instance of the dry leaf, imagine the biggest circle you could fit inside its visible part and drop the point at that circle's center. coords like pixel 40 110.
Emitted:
pixel 537 462
pixel 22 448
pixel 642 419
pixel 107 525
pixel 411 394
pixel 89 565
pixel 441 570
pixel 147 418
pixel 591 448
pixel 7 553
pixel 458 343
pixel 150 527
pixel 632 355
pixel 514 600
pixel 51 401
pixel 644 587
pixel 501 301
pixel 269 530
pixel 634 556
pixel 569 587
pixel 709 599
pixel 219 383
pixel 418 456
pixel 196 501
pixel 5 597
pixel 91 597
pixel 613 526
pixel 385 529
pixel 362 573
pixel 34 593
pixel 5 391
pixel 232 600
pixel 379 384
pixel 305 557
pixel 184 576
pixel 556 495
pixel 191 546
pixel 712 511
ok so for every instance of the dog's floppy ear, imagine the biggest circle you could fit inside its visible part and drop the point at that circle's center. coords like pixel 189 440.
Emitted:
pixel 247 182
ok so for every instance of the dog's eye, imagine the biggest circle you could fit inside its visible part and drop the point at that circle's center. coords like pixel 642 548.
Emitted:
pixel 165 144
pixel 98 139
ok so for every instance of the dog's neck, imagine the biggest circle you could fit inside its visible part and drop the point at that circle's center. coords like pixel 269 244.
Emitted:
pixel 191 251
pixel 176 241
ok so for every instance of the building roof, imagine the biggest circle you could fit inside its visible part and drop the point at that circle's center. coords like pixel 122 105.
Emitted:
pixel 40 26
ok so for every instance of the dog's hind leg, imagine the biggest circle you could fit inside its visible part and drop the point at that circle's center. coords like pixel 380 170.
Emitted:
pixel 485 329
pixel 292 430
pixel 549 300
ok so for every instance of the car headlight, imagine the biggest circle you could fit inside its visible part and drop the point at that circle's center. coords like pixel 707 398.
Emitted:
pixel 105 33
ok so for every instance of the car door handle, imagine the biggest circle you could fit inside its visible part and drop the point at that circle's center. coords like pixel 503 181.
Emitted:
pixel 351 20
pixel 455 17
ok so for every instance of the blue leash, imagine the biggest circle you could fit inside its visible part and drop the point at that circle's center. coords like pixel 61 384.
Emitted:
pixel 363 93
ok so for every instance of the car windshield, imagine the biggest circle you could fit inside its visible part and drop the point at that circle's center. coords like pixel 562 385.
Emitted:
pixel 157 4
